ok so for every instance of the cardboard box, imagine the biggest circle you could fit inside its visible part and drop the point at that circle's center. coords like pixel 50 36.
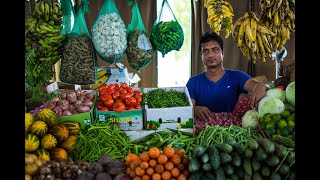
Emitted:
pixel 168 117
pixel 84 119
pixel 126 120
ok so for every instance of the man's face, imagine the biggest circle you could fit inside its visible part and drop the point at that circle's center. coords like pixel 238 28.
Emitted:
pixel 211 54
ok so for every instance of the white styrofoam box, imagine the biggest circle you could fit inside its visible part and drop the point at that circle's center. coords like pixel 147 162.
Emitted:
pixel 169 117
pixel 134 135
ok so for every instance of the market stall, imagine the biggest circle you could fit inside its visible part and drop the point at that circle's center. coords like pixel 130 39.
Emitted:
pixel 93 123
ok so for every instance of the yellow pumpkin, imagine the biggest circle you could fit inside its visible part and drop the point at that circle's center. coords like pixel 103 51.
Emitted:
pixel 69 143
pixel 48 142
pixel 61 132
pixel 39 128
pixel 42 154
pixel 31 143
pixel 59 154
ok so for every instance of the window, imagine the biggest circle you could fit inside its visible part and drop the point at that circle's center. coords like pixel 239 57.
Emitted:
pixel 174 68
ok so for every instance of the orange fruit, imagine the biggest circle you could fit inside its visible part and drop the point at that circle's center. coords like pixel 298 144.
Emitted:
pixel 137 178
pixel 135 163
pixel 182 177
pixel 139 171
pixel 144 165
pixel 156 176
pixel 166 175
pixel 162 159
pixel 159 168
pixel 144 156
pixel 169 166
pixel 130 157
pixel 150 171
pixel 153 163
pixel 181 152
pixel 154 152
pixel 180 167
pixel 176 159
pixel 175 172
pixel 168 151
pixel 145 177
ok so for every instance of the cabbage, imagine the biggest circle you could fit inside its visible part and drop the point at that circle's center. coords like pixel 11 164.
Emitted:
pixel 290 93
pixel 250 118
pixel 278 93
pixel 270 104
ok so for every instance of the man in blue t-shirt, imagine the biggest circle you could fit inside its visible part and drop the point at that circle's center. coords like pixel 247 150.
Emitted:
pixel 218 88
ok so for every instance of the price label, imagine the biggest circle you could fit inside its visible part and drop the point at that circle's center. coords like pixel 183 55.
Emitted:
pixel 144 43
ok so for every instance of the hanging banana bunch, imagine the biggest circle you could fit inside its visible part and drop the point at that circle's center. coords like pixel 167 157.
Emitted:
pixel 279 17
pixel 220 14
pixel 42 34
pixel 252 37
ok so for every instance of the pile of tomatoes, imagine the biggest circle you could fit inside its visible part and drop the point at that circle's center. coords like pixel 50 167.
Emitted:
pixel 115 97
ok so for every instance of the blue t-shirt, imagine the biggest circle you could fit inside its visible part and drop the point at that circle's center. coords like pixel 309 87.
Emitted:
pixel 220 96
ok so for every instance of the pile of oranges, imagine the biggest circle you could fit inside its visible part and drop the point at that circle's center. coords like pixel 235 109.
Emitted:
pixel 155 164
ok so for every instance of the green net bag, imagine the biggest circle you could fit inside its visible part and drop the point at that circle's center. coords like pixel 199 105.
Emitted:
pixel 139 51
pixel 78 62
pixel 67 16
pixel 166 35
pixel 109 33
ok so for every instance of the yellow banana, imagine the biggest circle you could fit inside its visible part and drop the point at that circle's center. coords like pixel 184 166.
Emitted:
pixel 266 43
pixel 236 27
pixel 263 59
pixel 276 19
pixel 240 35
pixel 245 51
pixel 266 5
pixel 264 30
pixel 226 11
pixel 260 44
pixel 225 3
pixel 247 29
pixel 254 16
pixel 247 40
pixel 253 25
pixel 291 15
pixel 292 25
pixel 276 6
pixel 282 43
pixel 227 33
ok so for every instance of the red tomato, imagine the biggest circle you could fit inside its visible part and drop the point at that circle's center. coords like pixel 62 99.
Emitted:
pixel 115 95
pixel 110 91
pixel 108 103
pixel 138 92
pixel 117 86
pixel 102 92
pixel 138 98
pixel 131 102
pixel 119 106
pixel 130 90
pixel 138 106
pixel 131 108
pixel 103 86
pixel 112 86
pixel 104 109
pixel 124 85
pixel 123 91
pixel 124 96
pixel 105 97
pixel 100 105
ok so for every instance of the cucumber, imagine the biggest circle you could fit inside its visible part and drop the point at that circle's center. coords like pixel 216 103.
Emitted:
pixel 210 175
pixel 275 176
pixel 292 176
pixel 284 169
pixel 225 158
pixel 236 159
pixel 220 174
pixel 256 176
pixel 287 142
pixel 224 147
pixel 206 167
pixel 256 165
pixel 281 150
pixel 240 149
pixel 253 144
pixel 291 157
pixel 214 158
pixel 267 145
pixel 248 153
pixel 247 166
pixel 273 160
pixel 196 175
pixel 205 158
pixel 247 176
pixel 198 151
pixel 194 165
pixel 260 155
pixel 265 171
pixel 239 172
pixel 228 169
pixel 234 177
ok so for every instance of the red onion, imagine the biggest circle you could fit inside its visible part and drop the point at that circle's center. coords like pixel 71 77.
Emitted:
pixel 55 99
pixel 83 92
pixel 83 109
pixel 77 103
pixel 51 105
pixel 63 95
pixel 90 96
pixel 75 112
pixel 57 110
pixel 62 102
pixel 71 107
pixel 78 93
pixel 71 97
pixel 80 98
pixel 87 102
pixel 64 107
pixel 66 113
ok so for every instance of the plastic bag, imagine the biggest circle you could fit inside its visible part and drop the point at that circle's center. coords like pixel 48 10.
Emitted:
pixel 139 51
pixel 166 35
pixel 67 16
pixel 109 33
pixel 78 63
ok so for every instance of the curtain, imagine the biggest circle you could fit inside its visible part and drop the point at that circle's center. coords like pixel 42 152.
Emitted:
pixel 233 58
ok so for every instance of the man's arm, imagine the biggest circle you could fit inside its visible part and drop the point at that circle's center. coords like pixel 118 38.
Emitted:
pixel 201 112
pixel 257 89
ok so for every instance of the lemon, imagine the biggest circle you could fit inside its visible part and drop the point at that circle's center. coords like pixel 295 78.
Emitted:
pixel 291 117
pixel 284 132
pixel 267 115
pixel 290 129
pixel 276 117
pixel 261 120
pixel 285 114
pixel 270 125
pixel 291 123
pixel 282 123
pixel 271 131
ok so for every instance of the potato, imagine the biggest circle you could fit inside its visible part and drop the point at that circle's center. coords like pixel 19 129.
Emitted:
pixel 31 169
pixel 27 177
pixel 29 158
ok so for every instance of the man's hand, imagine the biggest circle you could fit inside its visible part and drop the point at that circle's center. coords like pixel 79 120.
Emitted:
pixel 257 95
pixel 202 112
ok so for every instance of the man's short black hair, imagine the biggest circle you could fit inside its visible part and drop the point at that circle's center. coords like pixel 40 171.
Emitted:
pixel 206 37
